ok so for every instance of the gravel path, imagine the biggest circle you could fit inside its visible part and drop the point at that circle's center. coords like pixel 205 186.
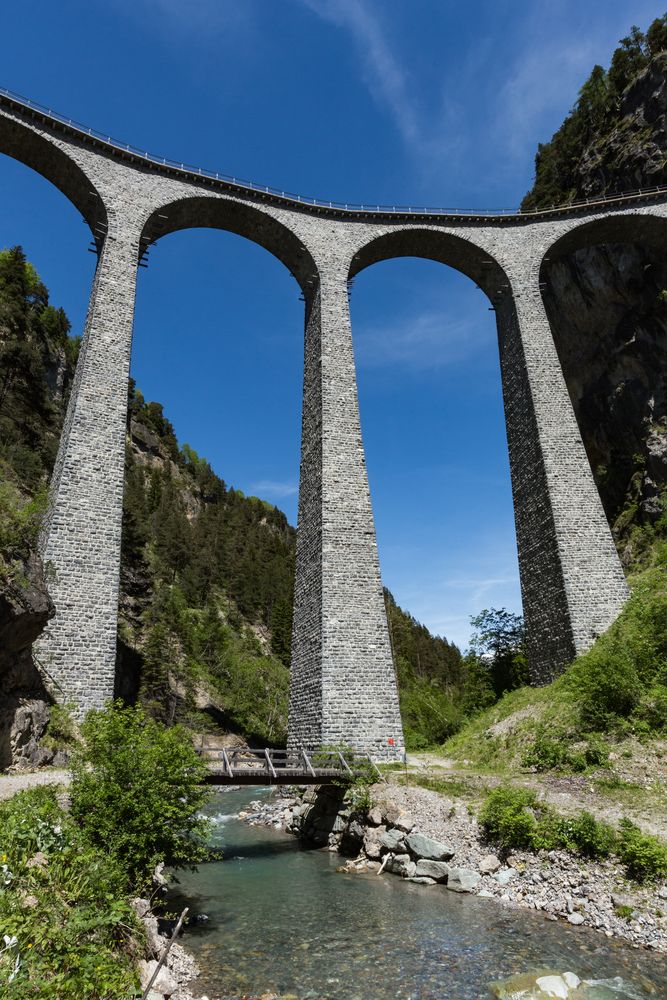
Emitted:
pixel 10 784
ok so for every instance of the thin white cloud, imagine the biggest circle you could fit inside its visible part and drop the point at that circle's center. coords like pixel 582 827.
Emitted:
pixel 271 487
pixel 444 584
pixel 426 341
pixel 384 74
pixel 387 79
pixel 554 52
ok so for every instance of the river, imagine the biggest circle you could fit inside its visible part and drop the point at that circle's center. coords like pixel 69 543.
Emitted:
pixel 282 919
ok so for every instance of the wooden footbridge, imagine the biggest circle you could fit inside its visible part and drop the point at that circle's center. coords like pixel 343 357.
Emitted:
pixel 243 766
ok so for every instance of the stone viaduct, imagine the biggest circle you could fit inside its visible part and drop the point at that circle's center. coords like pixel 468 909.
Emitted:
pixel 343 687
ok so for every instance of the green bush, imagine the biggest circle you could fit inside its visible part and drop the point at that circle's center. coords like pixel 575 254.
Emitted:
pixel 652 708
pixel 591 837
pixel 61 730
pixel 20 523
pixel 505 817
pixel 644 855
pixel 545 754
pixel 66 908
pixel 136 791
pixel 513 818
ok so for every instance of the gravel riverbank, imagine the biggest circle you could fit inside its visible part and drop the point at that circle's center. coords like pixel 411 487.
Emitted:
pixel 432 839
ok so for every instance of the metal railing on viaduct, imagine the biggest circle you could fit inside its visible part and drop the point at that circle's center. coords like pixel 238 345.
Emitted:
pixel 137 155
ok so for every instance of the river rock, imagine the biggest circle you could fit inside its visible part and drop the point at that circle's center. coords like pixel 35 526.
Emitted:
pixel 553 986
pixel 426 847
pixel 437 870
pixel 618 900
pixel 402 864
pixel 165 982
pixel 375 816
pixel 390 814
pixel 575 918
pixel 489 864
pixel 404 823
pixel 505 876
pixel 393 840
pixel 372 845
pixel 462 879
pixel 422 880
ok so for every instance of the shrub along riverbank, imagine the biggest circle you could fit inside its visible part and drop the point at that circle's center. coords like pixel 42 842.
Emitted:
pixel 70 863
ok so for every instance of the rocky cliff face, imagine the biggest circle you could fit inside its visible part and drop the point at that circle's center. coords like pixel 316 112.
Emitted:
pixel 633 153
pixel 608 310
pixel 25 608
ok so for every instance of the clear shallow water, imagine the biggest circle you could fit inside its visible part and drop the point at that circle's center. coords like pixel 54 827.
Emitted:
pixel 282 919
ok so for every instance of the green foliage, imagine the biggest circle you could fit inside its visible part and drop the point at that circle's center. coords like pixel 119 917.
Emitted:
pixel 506 817
pixel 622 679
pixel 67 908
pixel 136 791
pixel 20 523
pixel 559 175
pixel 61 730
pixel 428 712
pixel 590 836
pixel 34 345
pixel 553 752
pixel 498 640
pixel 644 855
pixel 515 818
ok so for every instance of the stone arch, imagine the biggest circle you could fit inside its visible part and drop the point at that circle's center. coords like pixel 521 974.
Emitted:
pixel 438 245
pixel 610 341
pixel 28 146
pixel 643 228
pixel 240 218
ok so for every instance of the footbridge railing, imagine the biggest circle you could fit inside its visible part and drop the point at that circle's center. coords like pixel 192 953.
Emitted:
pixel 244 766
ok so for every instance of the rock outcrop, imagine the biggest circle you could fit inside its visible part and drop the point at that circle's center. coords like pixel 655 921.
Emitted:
pixel 25 608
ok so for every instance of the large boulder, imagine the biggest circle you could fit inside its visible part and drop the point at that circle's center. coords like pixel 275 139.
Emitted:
pixel 425 847
pixel 25 608
pixel 462 879
pixel 437 870
pixel 394 841
pixel 401 864
pixel 165 982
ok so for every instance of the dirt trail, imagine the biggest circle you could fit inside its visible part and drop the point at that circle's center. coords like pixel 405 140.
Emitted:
pixel 10 784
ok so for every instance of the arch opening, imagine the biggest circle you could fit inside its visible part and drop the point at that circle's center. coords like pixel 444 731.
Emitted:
pixel 430 400
pixel 603 288
pixel 436 245
pixel 26 145
pixel 200 212
pixel 218 341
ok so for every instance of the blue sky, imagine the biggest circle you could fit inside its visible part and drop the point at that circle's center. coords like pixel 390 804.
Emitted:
pixel 400 101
